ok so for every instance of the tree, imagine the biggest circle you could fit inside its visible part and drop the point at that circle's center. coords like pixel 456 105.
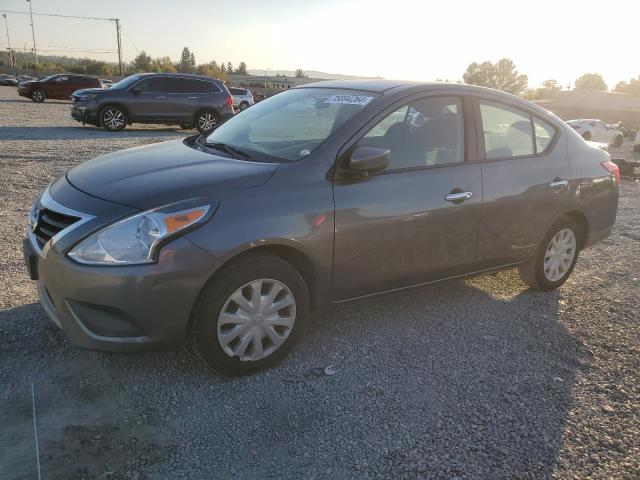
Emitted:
pixel 223 67
pixel 142 62
pixel 187 62
pixel 242 69
pixel 549 89
pixel 591 81
pixel 632 87
pixel 162 64
pixel 229 67
pixel 300 74
pixel 501 75
pixel 211 70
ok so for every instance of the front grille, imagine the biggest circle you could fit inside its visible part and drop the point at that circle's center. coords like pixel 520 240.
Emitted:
pixel 50 223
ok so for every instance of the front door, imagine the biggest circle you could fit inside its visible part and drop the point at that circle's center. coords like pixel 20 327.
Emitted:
pixel 526 179
pixel 148 99
pixel 416 221
pixel 58 87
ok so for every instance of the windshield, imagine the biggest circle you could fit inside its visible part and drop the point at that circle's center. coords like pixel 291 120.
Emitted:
pixel 290 125
pixel 125 82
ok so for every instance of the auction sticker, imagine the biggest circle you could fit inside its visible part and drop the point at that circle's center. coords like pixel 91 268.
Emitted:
pixel 349 99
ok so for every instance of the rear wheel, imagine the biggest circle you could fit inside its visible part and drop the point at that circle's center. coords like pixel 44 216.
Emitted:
pixel 206 121
pixel 555 257
pixel 244 105
pixel 113 118
pixel 38 95
pixel 251 316
pixel 586 136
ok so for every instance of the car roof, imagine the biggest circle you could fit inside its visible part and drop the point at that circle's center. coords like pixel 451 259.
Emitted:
pixel 183 75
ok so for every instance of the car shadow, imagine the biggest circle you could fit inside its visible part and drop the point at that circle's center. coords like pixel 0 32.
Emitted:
pixel 26 100
pixel 477 370
pixel 83 133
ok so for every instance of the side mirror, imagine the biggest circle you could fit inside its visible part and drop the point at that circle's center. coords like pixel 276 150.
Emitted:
pixel 135 90
pixel 368 159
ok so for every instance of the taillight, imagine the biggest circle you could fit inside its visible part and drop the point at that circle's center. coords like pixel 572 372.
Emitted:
pixel 613 169
pixel 230 102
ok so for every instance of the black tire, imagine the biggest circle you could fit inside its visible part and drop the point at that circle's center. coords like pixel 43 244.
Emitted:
pixel 206 120
pixel 244 105
pixel 38 95
pixel 203 332
pixel 113 118
pixel 586 136
pixel 532 272
pixel 618 141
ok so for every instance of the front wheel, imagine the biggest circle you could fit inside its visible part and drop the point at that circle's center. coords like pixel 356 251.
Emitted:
pixel 38 95
pixel 251 315
pixel 206 121
pixel 113 118
pixel 555 257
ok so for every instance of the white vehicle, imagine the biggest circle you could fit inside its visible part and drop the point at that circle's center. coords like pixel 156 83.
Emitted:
pixel 242 98
pixel 597 130
pixel 636 143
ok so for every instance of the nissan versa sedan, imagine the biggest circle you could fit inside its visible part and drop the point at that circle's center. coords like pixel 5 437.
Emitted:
pixel 320 194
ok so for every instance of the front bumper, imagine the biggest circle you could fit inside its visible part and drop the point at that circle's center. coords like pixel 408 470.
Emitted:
pixel 84 114
pixel 120 308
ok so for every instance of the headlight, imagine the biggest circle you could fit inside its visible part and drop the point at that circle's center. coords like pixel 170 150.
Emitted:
pixel 84 98
pixel 136 240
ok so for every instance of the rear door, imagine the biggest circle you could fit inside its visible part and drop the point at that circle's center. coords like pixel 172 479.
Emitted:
pixel 410 223
pixel 525 176
pixel 183 97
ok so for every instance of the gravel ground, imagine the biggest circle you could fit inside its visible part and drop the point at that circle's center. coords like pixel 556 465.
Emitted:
pixel 469 379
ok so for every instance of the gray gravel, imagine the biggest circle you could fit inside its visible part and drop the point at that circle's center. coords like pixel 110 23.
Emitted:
pixel 469 379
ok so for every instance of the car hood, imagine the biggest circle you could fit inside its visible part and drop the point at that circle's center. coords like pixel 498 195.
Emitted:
pixel 154 175
pixel 89 91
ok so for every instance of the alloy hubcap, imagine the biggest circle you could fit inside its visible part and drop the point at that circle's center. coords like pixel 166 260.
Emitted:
pixel 559 255
pixel 256 319
pixel 113 118
pixel 38 95
pixel 207 121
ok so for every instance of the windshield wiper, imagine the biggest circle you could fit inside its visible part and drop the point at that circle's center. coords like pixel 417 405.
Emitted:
pixel 230 149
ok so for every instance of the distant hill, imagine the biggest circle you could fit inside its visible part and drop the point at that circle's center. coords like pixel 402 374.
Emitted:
pixel 310 73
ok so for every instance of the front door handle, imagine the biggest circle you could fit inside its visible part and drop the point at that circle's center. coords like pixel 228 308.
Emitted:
pixel 557 183
pixel 458 197
pixel 192 98
pixel 161 98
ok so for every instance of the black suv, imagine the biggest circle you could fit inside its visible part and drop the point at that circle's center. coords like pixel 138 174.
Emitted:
pixel 170 99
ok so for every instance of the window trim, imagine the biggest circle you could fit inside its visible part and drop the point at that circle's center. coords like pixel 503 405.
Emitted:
pixel 181 78
pixel 482 153
pixel 468 123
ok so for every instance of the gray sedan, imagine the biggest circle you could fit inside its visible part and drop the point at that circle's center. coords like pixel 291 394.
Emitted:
pixel 323 193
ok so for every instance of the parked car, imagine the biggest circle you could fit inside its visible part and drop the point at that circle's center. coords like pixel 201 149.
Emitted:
pixel 159 98
pixel 242 98
pixel 56 86
pixel 8 81
pixel 230 240
pixel 598 131
pixel 25 78
pixel 636 143
pixel 106 83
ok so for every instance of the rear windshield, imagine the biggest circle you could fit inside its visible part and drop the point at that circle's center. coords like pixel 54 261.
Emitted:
pixel 291 124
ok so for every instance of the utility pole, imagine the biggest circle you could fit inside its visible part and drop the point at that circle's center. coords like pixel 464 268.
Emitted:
pixel 117 20
pixel 33 33
pixel 6 24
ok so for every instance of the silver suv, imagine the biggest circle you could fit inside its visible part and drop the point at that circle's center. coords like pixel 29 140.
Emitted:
pixel 242 98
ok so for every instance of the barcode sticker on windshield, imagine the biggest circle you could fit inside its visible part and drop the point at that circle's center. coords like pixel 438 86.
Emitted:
pixel 349 99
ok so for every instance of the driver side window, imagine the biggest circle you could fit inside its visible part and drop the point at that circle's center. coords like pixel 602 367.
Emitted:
pixel 426 132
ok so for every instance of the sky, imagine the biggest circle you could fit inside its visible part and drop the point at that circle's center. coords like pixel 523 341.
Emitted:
pixel 401 39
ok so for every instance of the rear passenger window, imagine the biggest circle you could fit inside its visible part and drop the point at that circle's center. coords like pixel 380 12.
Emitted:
pixel 427 132
pixel 544 134
pixel 152 84
pixel 507 131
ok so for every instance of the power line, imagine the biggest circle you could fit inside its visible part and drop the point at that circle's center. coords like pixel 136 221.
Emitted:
pixel 61 16
pixel 130 41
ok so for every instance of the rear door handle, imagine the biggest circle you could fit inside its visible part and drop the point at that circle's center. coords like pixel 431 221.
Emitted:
pixel 161 98
pixel 557 183
pixel 458 197
pixel 192 98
